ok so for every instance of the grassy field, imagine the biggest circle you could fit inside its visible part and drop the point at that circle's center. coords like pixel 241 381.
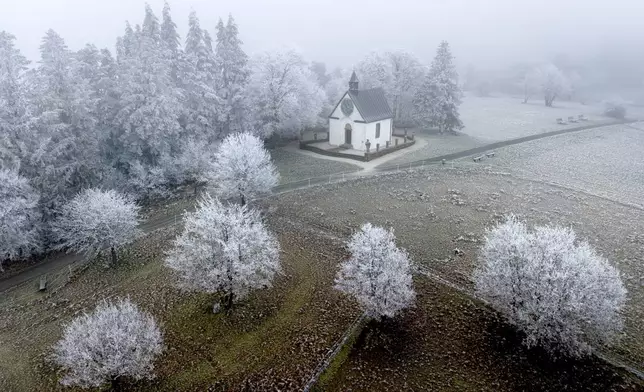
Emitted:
pixel 437 210
pixel 606 161
pixel 295 167
pixel 275 338
pixel 492 119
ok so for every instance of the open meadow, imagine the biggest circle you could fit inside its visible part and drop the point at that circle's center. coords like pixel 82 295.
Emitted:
pixel 435 211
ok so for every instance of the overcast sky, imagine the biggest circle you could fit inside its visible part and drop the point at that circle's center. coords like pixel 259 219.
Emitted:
pixel 340 32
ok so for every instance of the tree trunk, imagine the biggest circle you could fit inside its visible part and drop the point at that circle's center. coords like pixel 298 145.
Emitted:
pixel 116 384
pixel 113 256
pixel 227 301
pixel 243 199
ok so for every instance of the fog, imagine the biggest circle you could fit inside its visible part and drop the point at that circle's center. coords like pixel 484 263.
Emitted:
pixel 489 33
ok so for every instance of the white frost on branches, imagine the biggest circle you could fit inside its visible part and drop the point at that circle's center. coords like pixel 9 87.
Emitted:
pixel 552 287
pixel 284 93
pixel 225 249
pixel 552 81
pixel 378 273
pixel 243 168
pixel 95 220
pixel 113 342
pixel 19 217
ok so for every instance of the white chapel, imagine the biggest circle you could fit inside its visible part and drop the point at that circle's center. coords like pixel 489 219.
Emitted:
pixel 361 117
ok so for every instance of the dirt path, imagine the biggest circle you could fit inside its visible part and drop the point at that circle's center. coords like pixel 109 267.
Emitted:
pixel 54 263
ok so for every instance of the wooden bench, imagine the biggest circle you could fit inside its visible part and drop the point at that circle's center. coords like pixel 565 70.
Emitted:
pixel 571 119
pixel 478 159
pixel 560 121
pixel 43 283
pixel 582 118
pixel 490 154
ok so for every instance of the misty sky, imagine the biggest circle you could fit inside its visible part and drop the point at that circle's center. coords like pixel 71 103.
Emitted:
pixel 340 32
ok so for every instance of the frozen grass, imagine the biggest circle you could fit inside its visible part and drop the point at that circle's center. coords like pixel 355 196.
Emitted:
pixel 438 209
pixel 295 167
pixel 501 118
pixel 607 161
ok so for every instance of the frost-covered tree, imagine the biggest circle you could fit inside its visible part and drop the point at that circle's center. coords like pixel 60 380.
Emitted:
pixel 95 220
pixel 169 34
pixel 61 150
pixel 194 163
pixel 530 84
pixel 225 249
pixel 399 73
pixel 232 67
pixel 615 107
pixel 378 274
pixel 436 102
pixel 13 90
pixel 552 82
pixel 284 93
pixel 198 79
pixel 20 218
pixel 243 168
pixel 555 289
pixel 114 342
pixel 146 126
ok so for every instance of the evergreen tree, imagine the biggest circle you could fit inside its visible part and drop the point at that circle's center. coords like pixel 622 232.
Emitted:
pixel 63 145
pixel 147 124
pixel 169 33
pixel 232 65
pixel 13 93
pixel 198 81
pixel 436 102
pixel 207 40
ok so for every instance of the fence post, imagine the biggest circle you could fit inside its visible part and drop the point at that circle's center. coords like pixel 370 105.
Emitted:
pixel 398 168
pixel 309 182
pixel 330 178
pixel 342 176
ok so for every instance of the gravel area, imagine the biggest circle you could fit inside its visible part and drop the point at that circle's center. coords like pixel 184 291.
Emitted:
pixel 295 167
pixel 607 161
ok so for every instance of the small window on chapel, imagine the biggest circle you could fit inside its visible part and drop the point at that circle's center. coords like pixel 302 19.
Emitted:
pixel 377 130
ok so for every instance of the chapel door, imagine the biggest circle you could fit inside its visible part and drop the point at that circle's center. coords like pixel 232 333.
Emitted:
pixel 347 134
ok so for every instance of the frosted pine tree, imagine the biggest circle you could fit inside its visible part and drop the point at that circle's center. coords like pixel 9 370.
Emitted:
pixel 437 100
pixel 63 150
pixel 232 66
pixel 13 89
pixel 20 218
pixel 225 249
pixel 197 76
pixel 378 274
pixel 147 125
pixel 169 34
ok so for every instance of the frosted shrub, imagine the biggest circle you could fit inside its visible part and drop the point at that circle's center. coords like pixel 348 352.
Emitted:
pixel 225 249
pixel 377 274
pixel 95 220
pixel 243 168
pixel 615 108
pixel 115 341
pixel 552 287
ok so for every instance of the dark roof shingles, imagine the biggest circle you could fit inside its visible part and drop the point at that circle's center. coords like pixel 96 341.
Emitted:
pixel 372 104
